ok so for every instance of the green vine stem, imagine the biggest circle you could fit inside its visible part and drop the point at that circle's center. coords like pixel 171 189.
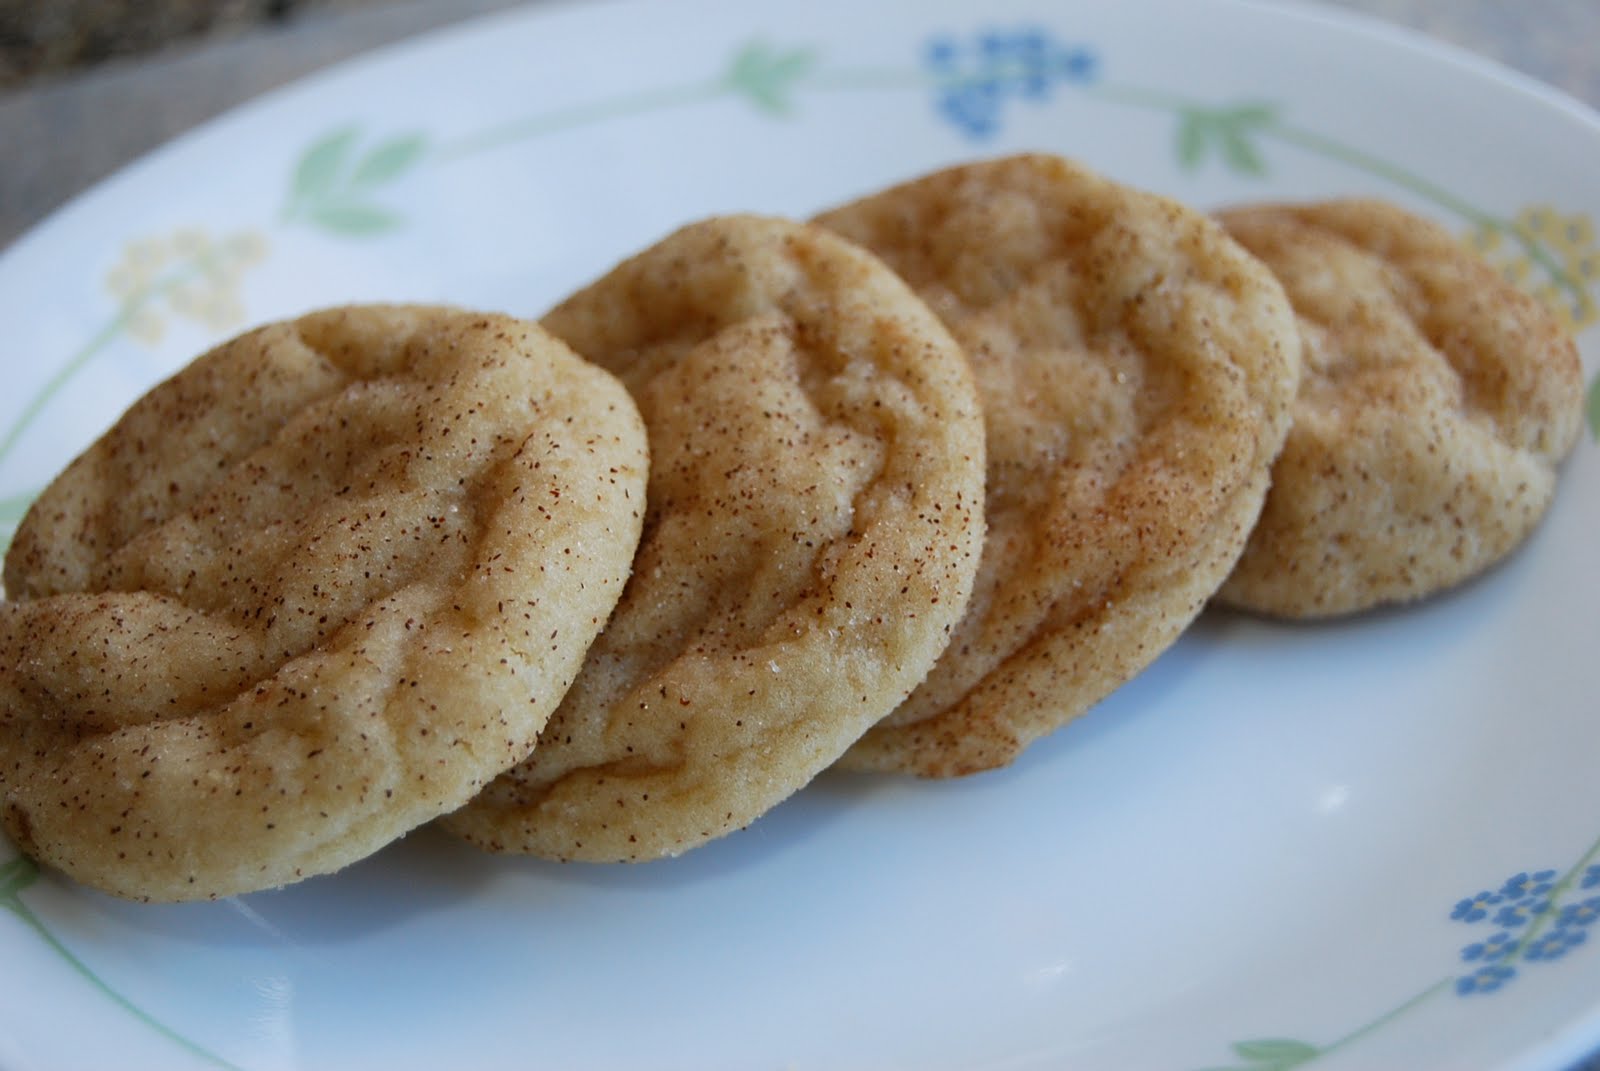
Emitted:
pixel 21 872
pixel 1283 1054
pixel 1266 123
pixel 581 115
pixel 130 309
pixel 42 398
pixel 761 73
pixel 1537 924
pixel 1385 1019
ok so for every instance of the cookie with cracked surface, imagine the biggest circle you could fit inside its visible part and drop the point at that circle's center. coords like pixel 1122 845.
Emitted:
pixel 1136 368
pixel 813 527
pixel 1437 403
pixel 312 591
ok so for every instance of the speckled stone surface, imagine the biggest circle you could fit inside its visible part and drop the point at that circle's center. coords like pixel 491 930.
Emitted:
pixel 50 38
pixel 41 38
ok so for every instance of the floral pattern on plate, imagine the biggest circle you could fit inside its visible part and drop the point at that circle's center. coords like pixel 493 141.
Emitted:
pixel 348 184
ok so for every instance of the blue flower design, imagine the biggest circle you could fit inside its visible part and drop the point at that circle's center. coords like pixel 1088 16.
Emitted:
pixel 1583 913
pixel 1555 944
pixel 1485 979
pixel 975 78
pixel 1475 908
pixel 1495 948
pixel 1535 920
pixel 1524 884
pixel 1521 913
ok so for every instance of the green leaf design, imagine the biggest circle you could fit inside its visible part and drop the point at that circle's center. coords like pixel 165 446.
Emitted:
pixel 1276 1054
pixel 332 186
pixel 1192 138
pixel 388 160
pixel 1252 113
pixel 1594 408
pixel 1229 132
pixel 15 875
pixel 767 76
pixel 353 219
pixel 317 173
pixel 1240 153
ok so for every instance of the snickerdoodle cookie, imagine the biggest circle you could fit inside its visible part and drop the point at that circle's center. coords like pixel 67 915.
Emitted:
pixel 813 527
pixel 1437 403
pixel 1136 368
pixel 314 590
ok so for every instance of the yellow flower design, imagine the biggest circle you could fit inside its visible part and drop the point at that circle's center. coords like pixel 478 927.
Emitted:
pixel 196 274
pixel 1553 256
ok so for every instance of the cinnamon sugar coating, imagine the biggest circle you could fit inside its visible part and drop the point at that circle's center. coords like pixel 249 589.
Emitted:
pixel 1437 404
pixel 309 593
pixel 1136 368
pixel 814 522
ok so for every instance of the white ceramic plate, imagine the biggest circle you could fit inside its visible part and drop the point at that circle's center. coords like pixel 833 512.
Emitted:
pixel 1370 844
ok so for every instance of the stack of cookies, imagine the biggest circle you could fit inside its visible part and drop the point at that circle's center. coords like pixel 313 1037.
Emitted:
pixel 901 489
